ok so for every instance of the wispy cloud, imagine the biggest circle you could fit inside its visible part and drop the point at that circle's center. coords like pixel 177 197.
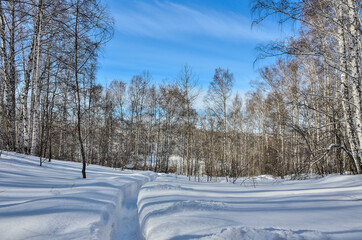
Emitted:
pixel 167 20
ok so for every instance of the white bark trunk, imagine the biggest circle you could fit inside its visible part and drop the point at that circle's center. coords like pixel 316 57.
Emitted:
pixel 37 91
pixel 347 108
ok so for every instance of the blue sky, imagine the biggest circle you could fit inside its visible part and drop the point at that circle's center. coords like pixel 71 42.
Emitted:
pixel 162 35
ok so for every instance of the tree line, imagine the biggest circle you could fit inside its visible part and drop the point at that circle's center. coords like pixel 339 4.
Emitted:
pixel 303 116
pixel 48 58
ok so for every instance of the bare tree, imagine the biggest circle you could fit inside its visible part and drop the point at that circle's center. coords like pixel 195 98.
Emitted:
pixel 92 27
pixel 218 96
pixel 187 83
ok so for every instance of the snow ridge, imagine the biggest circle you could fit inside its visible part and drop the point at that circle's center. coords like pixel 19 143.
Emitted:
pixel 174 208
pixel 246 233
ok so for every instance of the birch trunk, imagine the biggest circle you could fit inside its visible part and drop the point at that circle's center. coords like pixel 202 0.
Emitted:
pixel 354 29
pixel 9 74
pixel 38 88
pixel 4 74
pixel 23 118
pixel 1 112
pixel 10 92
pixel 347 107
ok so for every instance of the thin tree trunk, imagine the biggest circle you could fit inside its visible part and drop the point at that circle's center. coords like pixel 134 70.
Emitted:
pixel 79 129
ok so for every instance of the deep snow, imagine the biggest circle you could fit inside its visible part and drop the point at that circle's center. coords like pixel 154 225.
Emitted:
pixel 325 208
pixel 54 202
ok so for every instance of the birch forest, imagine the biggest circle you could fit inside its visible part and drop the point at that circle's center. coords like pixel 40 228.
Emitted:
pixel 303 115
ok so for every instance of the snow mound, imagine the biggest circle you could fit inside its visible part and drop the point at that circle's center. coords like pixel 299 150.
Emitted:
pixel 197 205
pixel 312 209
pixel 245 233
pixel 164 187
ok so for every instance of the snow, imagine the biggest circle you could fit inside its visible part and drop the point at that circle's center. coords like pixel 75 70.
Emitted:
pixel 263 208
pixel 54 202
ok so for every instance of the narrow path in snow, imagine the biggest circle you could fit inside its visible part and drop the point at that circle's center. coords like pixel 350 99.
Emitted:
pixel 127 226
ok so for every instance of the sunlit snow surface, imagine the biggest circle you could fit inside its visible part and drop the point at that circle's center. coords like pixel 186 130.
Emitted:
pixel 54 202
pixel 318 209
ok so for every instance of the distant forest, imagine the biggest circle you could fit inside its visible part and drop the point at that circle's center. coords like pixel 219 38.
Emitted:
pixel 303 116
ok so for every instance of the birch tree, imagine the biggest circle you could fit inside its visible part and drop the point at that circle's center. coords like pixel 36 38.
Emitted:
pixel 186 82
pixel 91 27
pixel 219 93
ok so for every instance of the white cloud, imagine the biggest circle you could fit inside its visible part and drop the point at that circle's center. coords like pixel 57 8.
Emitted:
pixel 173 21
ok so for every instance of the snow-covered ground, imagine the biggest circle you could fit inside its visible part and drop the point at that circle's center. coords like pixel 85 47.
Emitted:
pixel 324 208
pixel 54 202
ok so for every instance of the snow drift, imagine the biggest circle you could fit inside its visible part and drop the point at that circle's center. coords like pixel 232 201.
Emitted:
pixel 313 209
pixel 54 202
